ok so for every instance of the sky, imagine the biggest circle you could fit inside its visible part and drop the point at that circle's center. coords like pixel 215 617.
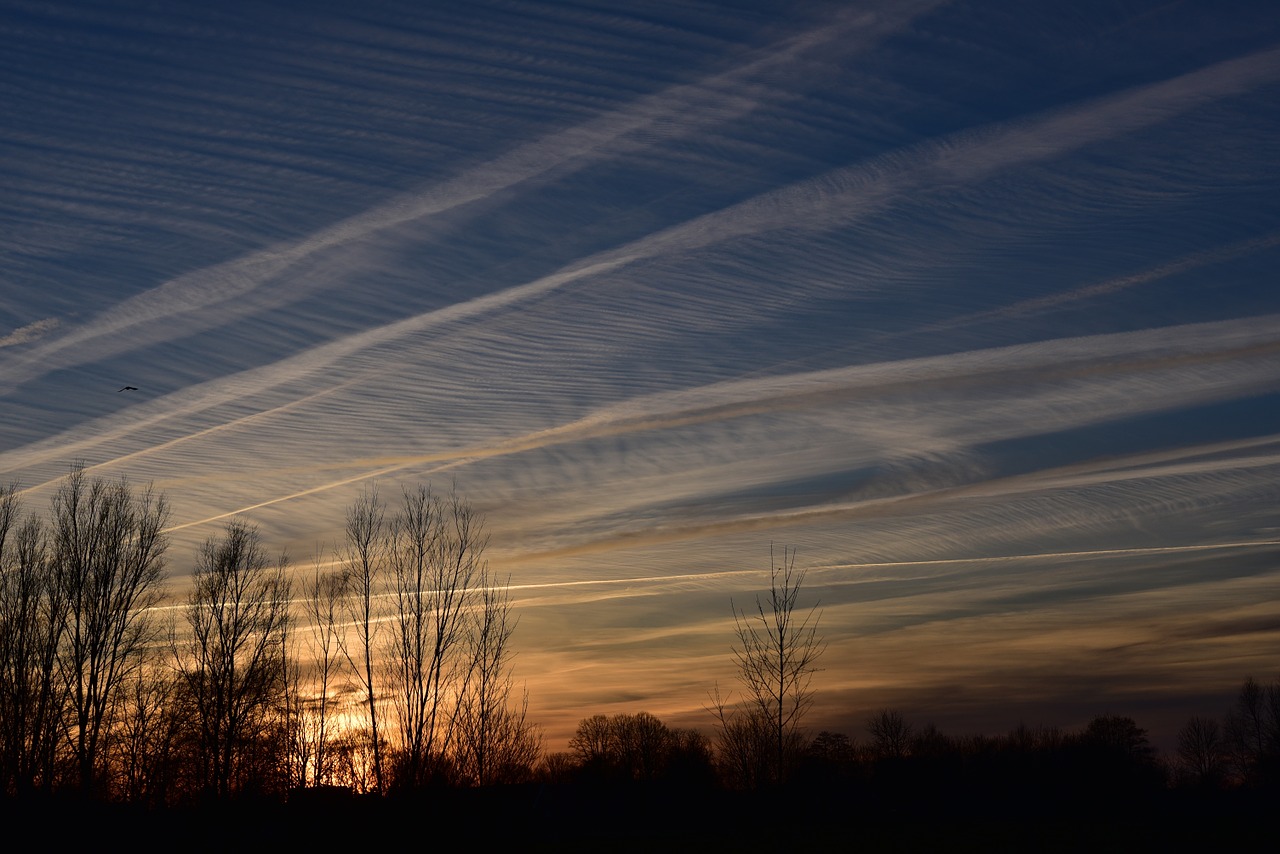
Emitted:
pixel 972 304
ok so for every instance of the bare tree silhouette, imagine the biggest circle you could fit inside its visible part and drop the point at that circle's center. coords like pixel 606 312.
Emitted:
pixel 638 747
pixel 147 743
pixel 323 607
pixel 436 553
pixel 495 741
pixel 32 610
pixel 1202 752
pixel 1253 731
pixel 231 664
pixel 107 548
pixel 776 653
pixel 891 735
pixel 365 557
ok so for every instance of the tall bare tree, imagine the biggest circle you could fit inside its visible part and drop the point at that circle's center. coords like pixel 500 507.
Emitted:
pixel 495 742
pixel 776 653
pixel 437 546
pixel 31 617
pixel 323 604
pixel 364 559
pixel 293 726
pixel 231 662
pixel 108 549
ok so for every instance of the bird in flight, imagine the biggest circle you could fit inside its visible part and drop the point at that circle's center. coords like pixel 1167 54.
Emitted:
pixel 127 388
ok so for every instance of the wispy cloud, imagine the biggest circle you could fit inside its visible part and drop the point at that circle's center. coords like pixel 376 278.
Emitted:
pixel 676 112
pixel 29 333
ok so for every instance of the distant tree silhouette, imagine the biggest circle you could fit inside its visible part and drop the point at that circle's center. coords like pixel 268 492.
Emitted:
pixel 593 742
pixel 1119 736
pixel 833 746
pixel 645 745
pixel 890 734
pixel 829 758
pixel 1202 752
pixel 776 652
pixel 745 745
pixel 690 758
pixel 1115 756
pixel 1042 739
pixel 1253 732
pixel 557 767
pixel 639 747
pixel 929 741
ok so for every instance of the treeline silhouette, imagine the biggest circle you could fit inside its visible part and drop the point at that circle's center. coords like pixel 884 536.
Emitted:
pixel 378 686
pixel 237 692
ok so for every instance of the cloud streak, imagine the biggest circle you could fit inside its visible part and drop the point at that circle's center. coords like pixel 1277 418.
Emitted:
pixel 651 120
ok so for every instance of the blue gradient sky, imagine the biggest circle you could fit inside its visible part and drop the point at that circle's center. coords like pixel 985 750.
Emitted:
pixel 974 304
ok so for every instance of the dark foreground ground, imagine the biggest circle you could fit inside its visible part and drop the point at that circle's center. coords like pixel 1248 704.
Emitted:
pixel 583 818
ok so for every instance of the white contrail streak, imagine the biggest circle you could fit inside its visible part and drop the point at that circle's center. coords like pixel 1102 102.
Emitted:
pixel 673 113
pixel 841 194
pixel 1046 555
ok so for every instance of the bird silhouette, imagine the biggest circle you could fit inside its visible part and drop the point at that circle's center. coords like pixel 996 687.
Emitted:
pixel 127 388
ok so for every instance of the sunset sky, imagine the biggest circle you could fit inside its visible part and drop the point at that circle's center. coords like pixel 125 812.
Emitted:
pixel 972 304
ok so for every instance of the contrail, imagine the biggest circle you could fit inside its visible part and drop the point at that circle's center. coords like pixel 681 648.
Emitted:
pixel 1038 555
pixel 710 101
pixel 834 567
pixel 1199 343
pixel 198 434
pixel 844 192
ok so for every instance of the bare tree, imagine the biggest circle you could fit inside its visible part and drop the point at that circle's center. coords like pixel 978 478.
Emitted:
pixel 1119 737
pixel 365 558
pixel 31 617
pixel 891 735
pixel 776 653
pixel 436 561
pixel 293 724
pixel 231 665
pixel 833 746
pixel 145 746
pixel 323 603
pixel 351 754
pixel 1202 751
pixel 639 747
pixel 593 742
pixel 744 745
pixel 1253 730
pixel 495 742
pixel 108 558
pixel 557 767
pixel 645 744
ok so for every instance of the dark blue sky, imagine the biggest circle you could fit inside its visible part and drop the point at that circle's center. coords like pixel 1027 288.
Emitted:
pixel 974 304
